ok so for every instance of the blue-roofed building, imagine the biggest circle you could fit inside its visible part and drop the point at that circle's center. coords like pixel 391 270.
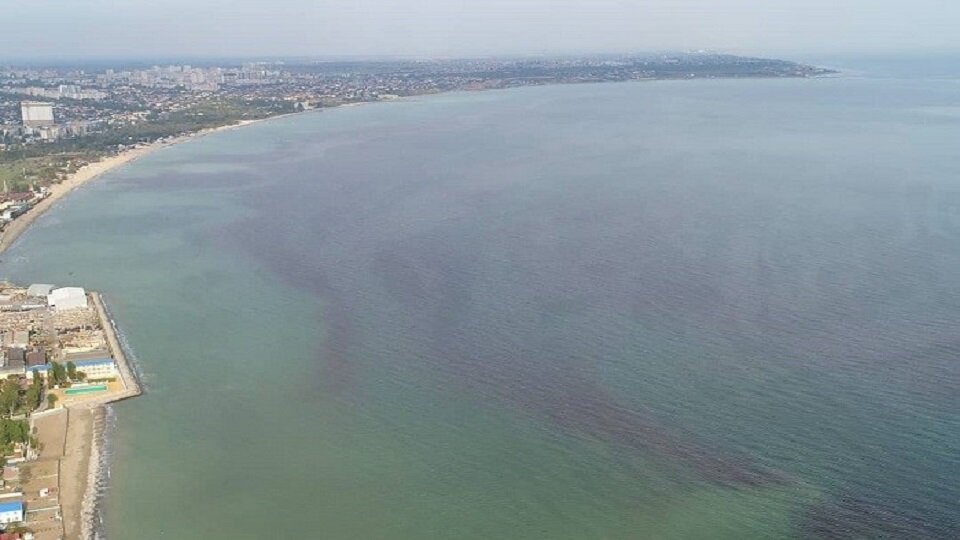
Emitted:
pixel 98 368
pixel 94 368
pixel 11 512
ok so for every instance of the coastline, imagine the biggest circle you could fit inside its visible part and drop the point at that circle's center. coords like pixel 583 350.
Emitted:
pixel 92 470
pixel 82 465
pixel 95 431
pixel 94 170
pixel 74 436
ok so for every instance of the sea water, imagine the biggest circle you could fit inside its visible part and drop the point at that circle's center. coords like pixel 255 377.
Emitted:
pixel 685 309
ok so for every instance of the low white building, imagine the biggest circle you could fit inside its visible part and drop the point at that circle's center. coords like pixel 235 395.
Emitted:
pixel 66 298
pixel 98 369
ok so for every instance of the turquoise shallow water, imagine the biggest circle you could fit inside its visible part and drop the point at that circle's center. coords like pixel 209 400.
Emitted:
pixel 715 309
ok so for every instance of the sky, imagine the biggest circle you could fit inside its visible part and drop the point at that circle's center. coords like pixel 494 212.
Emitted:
pixel 436 28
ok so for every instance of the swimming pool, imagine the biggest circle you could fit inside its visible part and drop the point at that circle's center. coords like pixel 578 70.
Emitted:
pixel 85 389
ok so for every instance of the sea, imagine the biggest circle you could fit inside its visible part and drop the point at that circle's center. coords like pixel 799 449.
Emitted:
pixel 699 309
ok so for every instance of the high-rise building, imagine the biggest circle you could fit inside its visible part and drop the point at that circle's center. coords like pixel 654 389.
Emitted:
pixel 36 113
pixel 71 91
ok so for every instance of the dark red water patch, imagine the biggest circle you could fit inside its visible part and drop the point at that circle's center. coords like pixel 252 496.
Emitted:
pixel 854 517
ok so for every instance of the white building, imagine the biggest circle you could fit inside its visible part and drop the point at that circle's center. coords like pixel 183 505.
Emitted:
pixel 66 298
pixel 36 113
pixel 71 91
pixel 98 369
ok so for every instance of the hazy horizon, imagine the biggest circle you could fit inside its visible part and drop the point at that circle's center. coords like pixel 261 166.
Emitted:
pixel 111 30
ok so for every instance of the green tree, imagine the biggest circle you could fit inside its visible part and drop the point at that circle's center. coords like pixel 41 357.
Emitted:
pixel 58 374
pixel 51 400
pixel 34 393
pixel 13 431
pixel 71 371
pixel 10 396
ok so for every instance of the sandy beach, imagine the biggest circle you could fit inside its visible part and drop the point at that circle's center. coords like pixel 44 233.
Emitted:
pixel 78 456
pixel 91 171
